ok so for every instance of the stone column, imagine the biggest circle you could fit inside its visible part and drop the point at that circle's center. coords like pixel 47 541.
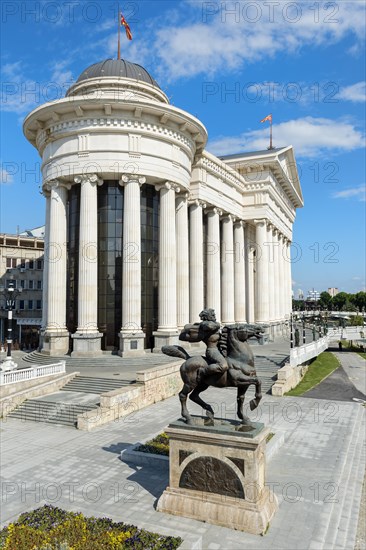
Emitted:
pixel 262 294
pixel 47 195
pixel 288 280
pixel 213 287
pixel 167 333
pixel 196 297
pixel 227 271
pixel 250 263
pixel 239 273
pixel 277 281
pixel 56 337
pixel 271 278
pixel 131 336
pixel 87 338
pixel 281 275
pixel 182 246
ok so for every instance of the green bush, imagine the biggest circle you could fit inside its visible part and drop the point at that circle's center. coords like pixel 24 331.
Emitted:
pixel 50 528
pixel 158 446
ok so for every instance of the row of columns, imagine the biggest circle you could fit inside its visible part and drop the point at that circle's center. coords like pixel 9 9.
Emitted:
pixel 244 282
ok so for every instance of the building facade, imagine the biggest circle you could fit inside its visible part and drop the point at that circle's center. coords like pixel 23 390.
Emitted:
pixel 22 261
pixel 145 228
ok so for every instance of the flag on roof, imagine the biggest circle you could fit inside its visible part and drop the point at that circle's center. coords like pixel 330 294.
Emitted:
pixel 268 117
pixel 127 27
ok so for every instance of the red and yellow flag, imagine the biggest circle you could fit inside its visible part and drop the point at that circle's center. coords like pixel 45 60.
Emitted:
pixel 268 117
pixel 127 27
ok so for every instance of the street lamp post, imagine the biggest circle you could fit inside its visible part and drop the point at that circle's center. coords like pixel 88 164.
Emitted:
pixel 10 294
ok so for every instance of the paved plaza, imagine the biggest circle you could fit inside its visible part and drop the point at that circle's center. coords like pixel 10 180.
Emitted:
pixel 316 473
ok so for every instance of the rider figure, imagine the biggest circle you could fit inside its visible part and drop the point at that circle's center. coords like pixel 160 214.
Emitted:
pixel 209 333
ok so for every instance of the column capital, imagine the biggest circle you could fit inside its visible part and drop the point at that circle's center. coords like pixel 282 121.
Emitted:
pixel 239 223
pixel 168 185
pixel 90 178
pixel 227 216
pixel 126 178
pixel 183 195
pixel 54 184
pixel 197 202
pixel 260 222
pixel 274 230
pixel 213 210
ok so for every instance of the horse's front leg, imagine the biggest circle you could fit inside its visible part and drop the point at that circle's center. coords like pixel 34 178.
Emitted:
pixel 258 395
pixel 183 401
pixel 240 402
pixel 195 397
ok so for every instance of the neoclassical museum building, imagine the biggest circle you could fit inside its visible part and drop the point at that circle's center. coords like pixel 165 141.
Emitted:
pixel 145 228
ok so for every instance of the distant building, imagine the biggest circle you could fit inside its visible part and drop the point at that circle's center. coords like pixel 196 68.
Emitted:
pixel 300 294
pixel 21 260
pixel 313 296
pixel 333 291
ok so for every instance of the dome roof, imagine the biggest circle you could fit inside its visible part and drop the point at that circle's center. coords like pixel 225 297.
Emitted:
pixel 117 68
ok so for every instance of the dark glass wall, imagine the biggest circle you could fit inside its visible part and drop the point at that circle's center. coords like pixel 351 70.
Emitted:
pixel 73 258
pixel 149 261
pixel 110 228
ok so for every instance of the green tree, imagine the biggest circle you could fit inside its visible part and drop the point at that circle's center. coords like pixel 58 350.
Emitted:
pixel 339 300
pixel 359 300
pixel 325 300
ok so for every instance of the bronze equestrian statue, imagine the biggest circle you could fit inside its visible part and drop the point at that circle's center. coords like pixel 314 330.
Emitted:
pixel 228 362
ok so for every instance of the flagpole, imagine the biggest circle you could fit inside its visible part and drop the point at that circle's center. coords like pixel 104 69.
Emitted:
pixel 270 134
pixel 119 34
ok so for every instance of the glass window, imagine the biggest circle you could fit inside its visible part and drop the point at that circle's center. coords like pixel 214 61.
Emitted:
pixel 39 285
pixel 39 304
pixel 31 264
pixel 30 285
pixel 22 263
pixel 30 304
pixel 21 304
pixel 39 264
pixel 22 283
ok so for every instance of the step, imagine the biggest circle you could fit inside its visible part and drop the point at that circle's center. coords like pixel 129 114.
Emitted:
pixel 330 524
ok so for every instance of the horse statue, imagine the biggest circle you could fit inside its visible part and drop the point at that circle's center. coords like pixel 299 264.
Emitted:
pixel 229 362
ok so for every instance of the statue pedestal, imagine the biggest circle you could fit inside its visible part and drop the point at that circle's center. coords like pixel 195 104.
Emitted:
pixel 217 474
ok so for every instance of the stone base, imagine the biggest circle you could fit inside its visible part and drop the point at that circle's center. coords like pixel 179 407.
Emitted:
pixel 8 364
pixel 220 510
pixel 86 345
pixel 169 338
pixel 131 344
pixel 217 474
pixel 55 342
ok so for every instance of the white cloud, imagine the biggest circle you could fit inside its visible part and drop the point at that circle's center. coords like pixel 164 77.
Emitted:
pixel 5 177
pixel 212 39
pixel 355 92
pixel 358 192
pixel 20 94
pixel 309 136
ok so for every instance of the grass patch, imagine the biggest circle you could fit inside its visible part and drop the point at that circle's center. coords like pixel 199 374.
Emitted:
pixel 158 446
pixel 319 369
pixel 53 528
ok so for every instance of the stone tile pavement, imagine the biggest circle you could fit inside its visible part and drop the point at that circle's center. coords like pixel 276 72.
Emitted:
pixel 316 474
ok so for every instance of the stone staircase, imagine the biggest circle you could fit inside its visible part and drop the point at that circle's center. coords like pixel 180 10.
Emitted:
pixel 90 384
pixel 339 528
pixel 51 412
pixel 37 358
pixel 266 368
pixel 79 395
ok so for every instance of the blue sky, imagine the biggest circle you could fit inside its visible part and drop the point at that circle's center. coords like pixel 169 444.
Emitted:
pixel 230 64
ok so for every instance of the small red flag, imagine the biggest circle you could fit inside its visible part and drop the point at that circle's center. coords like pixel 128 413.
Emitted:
pixel 269 117
pixel 127 27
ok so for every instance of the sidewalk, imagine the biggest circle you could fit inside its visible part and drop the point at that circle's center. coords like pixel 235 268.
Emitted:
pixel 316 474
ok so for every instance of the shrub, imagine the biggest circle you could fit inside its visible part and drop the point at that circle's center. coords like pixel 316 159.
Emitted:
pixel 50 528
pixel 159 445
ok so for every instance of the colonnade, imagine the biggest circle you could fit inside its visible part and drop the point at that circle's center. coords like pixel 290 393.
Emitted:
pixel 244 281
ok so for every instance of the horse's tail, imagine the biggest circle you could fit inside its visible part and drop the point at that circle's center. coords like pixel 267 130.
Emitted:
pixel 175 351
